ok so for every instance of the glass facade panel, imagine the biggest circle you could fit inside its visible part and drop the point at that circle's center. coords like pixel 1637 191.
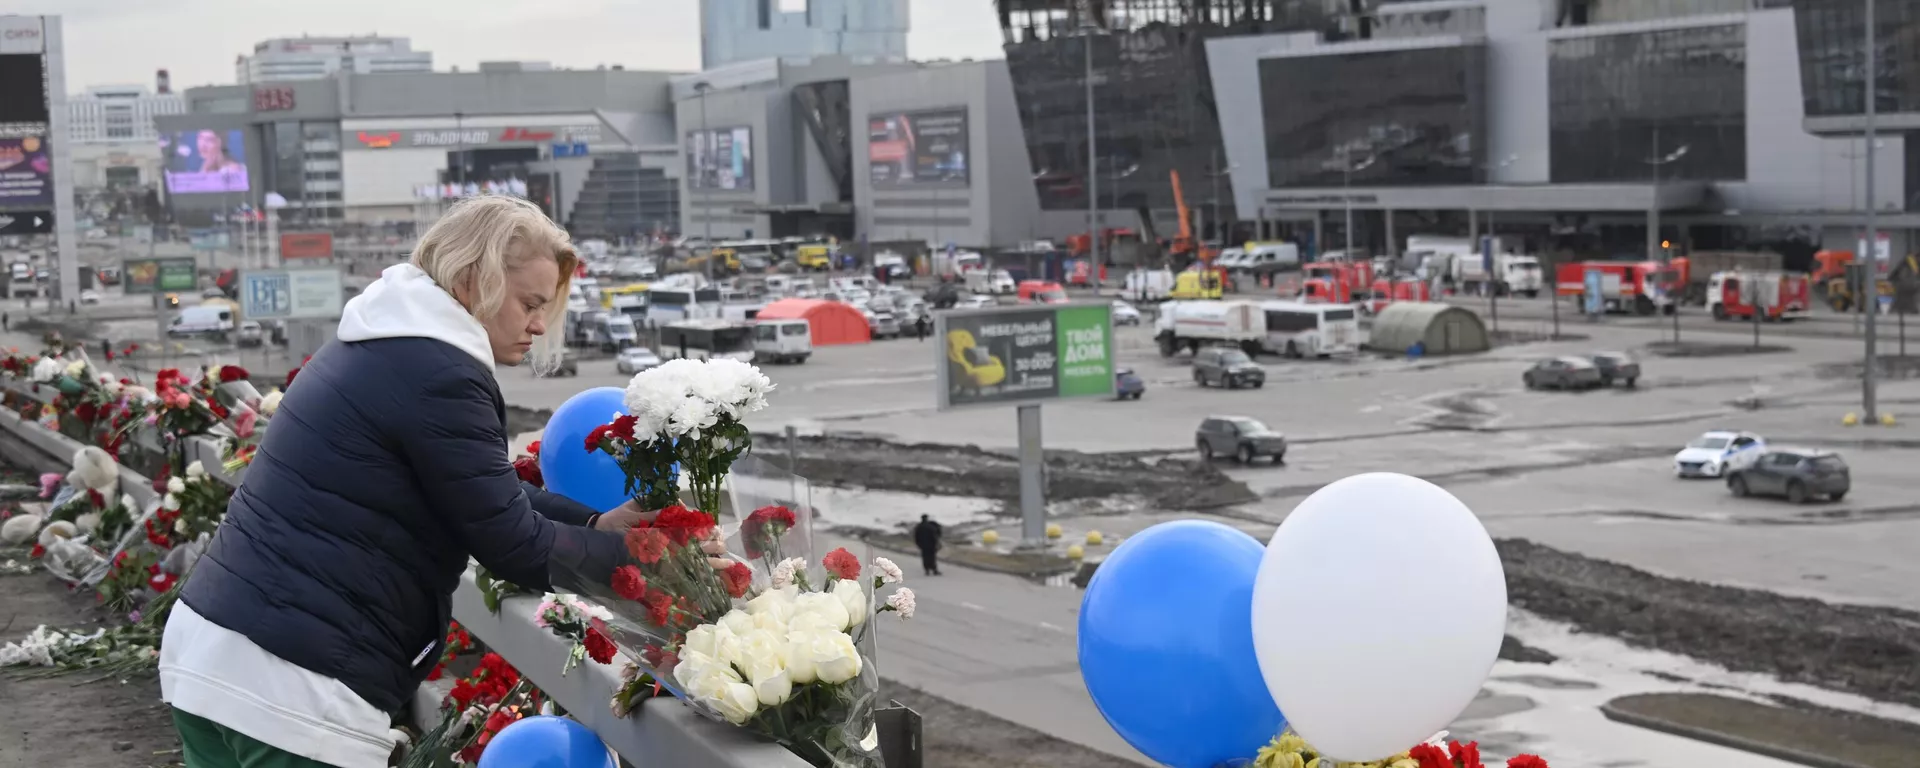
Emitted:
pixel 1667 104
pixel 1832 37
pixel 1153 102
pixel 1407 117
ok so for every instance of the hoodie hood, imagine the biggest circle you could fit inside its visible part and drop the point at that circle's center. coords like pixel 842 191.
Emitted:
pixel 406 303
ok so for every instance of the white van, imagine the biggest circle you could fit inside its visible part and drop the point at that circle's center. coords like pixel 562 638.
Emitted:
pixel 202 319
pixel 782 341
pixel 1299 329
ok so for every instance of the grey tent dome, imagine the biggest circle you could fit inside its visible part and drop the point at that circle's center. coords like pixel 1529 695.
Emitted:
pixel 1446 329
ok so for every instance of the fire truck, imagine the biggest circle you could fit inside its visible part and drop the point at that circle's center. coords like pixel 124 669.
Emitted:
pixel 1389 290
pixel 1639 287
pixel 1337 282
pixel 1730 295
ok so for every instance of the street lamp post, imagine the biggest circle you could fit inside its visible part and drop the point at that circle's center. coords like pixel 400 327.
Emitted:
pixel 1659 161
pixel 1093 159
pixel 1870 274
pixel 1347 167
pixel 707 144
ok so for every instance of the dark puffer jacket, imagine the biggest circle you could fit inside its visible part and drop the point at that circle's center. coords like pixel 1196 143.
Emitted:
pixel 383 470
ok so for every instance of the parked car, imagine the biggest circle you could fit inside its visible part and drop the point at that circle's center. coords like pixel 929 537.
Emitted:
pixel 1125 314
pixel 249 334
pixel 1227 367
pixel 635 360
pixel 1795 473
pixel 1240 437
pixel 885 325
pixel 1128 385
pixel 1714 454
pixel 89 297
pixel 1616 366
pixel 1562 373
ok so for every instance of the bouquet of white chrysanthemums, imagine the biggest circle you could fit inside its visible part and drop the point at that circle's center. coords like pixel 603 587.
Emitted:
pixel 789 664
pixel 686 413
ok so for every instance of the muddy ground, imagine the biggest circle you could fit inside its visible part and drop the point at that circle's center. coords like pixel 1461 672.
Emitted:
pixel 853 461
pixel 74 721
pixel 1870 651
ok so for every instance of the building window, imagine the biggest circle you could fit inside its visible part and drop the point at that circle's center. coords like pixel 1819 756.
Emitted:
pixel 1832 35
pixel 1384 117
pixel 1668 105
pixel 119 132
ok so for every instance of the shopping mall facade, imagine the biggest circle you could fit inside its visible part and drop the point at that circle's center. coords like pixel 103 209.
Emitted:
pixel 595 148
pixel 1566 123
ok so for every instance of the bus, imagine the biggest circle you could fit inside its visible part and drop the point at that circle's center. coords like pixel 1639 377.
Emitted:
pixel 1299 329
pixel 673 305
pixel 705 339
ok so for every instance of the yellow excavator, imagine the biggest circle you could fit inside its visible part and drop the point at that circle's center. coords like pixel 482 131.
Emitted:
pixel 1830 276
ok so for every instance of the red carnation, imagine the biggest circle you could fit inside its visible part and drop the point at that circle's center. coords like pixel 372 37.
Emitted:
pixel 1465 755
pixel 162 582
pixel 463 693
pixel 219 411
pixel 534 448
pixel 38 552
pixel 647 545
pixel 96 499
pixel 1430 756
pixel 528 468
pixel 437 669
pixel 599 648
pixel 738 578
pixel 659 607
pixel 623 427
pixel 232 373
pixel 598 434
pixel 766 515
pixel 842 564
pixel 1527 761
pixel 682 524
pixel 628 583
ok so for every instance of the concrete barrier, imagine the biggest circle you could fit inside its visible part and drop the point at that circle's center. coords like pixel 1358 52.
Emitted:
pixel 661 732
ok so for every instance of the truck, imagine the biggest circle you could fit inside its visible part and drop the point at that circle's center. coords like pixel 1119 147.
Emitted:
pixel 1730 295
pixel 1464 264
pixel 1337 282
pixel 1695 270
pixel 953 266
pixel 1639 287
pixel 1190 325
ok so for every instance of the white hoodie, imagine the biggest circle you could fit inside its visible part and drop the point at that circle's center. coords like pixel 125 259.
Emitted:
pixel 406 303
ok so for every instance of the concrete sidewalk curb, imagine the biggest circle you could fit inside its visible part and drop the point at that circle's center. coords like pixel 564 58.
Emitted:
pixel 1730 741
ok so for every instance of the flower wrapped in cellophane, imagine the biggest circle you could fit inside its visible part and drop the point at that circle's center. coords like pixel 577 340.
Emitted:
pixel 742 633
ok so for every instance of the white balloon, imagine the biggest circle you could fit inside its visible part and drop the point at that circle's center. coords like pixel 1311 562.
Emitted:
pixel 1377 614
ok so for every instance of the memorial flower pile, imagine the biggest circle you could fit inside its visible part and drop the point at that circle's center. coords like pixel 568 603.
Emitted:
pixel 1290 751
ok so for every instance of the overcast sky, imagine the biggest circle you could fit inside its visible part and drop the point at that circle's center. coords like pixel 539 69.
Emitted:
pixel 124 41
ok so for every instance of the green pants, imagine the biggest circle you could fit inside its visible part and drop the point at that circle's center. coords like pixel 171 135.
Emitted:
pixel 207 744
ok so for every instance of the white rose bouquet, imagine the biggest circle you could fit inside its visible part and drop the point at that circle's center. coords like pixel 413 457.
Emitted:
pixel 686 412
pixel 789 663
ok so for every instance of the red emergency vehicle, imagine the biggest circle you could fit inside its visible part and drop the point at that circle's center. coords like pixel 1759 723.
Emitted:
pixel 1729 295
pixel 1387 291
pixel 1640 287
pixel 1337 282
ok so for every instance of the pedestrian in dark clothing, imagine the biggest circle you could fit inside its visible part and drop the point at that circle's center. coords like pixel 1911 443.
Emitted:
pixel 6 321
pixel 926 536
pixel 106 349
pixel 920 327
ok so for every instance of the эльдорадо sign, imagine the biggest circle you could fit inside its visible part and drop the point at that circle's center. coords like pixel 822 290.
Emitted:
pixel 1024 354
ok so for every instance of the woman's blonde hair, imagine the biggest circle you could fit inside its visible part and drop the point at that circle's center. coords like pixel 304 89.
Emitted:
pixel 479 240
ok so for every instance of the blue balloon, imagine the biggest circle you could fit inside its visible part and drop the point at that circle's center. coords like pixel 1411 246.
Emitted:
pixel 546 742
pixel 1166 645
pixel 589 477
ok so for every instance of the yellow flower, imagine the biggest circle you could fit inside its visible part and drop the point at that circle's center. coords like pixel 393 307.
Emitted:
pixel 1291 742
pixel 1404 762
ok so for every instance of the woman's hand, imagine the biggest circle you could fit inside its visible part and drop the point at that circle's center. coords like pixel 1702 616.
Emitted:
pixel 620 518
pixel 716 548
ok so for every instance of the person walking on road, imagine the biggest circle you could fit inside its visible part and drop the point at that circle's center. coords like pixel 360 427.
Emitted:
pixel 926 536
pixel 920 327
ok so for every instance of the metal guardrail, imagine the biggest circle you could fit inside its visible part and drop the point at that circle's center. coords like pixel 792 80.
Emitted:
pixel 661 731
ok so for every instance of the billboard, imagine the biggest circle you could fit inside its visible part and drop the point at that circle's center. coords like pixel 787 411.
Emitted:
pixel 306 245
pixel 720 159
pixel 911 148
pixel 1020 355
pixel 531 135
pixel 23 80
pixel 26 180
pixel 159 275
pixel 291 294
pixel 205 161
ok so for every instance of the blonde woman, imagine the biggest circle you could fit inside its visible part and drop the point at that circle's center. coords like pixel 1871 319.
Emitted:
pixel 323 600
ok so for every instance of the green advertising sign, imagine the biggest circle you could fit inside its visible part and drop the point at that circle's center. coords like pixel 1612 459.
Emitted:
pixel 168 275
pixel 1024 354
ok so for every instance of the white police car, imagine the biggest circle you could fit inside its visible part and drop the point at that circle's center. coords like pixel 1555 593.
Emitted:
pixel 1714 453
